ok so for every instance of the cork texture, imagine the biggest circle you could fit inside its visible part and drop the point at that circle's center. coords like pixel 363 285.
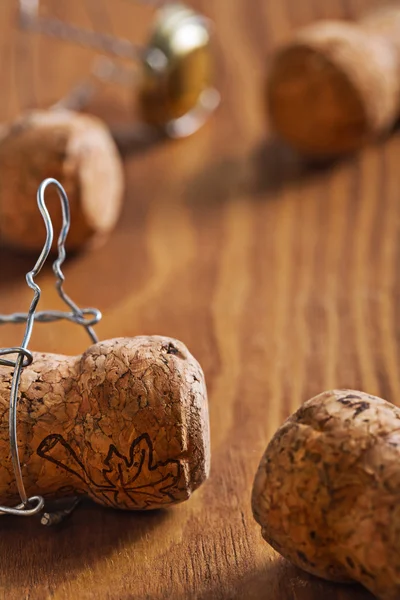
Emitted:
pixel 79 152
pixel 126 424
pixel 335 86
pixel 327 491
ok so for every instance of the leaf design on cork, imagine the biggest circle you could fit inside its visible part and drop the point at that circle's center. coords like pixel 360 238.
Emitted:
pixel 138 473
pixel 135 480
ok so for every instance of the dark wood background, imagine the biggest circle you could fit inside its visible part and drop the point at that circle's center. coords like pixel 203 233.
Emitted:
pixel 283 281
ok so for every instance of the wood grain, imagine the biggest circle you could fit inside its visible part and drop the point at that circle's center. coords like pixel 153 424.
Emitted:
pixel 281 280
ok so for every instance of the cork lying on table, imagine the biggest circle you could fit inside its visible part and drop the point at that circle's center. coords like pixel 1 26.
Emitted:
pixel 336 85
pixel 126 424
pixel 79 152
pixel 327 491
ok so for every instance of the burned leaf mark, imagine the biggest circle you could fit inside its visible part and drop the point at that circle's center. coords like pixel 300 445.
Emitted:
pixel 361 407
pixel 353 401
pixel 171 349
pixel 133 479
pixel 139 473
pixel 49 443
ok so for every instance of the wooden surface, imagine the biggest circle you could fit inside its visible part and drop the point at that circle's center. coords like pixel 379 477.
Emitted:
pixel 283 282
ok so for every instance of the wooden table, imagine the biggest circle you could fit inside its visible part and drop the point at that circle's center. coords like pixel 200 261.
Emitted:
pixel 282 281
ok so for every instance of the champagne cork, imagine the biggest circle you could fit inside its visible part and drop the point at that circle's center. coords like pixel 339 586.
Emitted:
pixel 336 85
pixel 125 424
pixel 327 490
pixel 75 149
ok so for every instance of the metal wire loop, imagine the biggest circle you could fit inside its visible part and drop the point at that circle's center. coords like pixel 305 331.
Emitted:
pixel 34 504
pixel 12 363
pixel 149 58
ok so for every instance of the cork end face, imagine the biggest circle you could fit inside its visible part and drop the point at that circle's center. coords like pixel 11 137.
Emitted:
pixel 333 88
pixel 194 396
pixel 313 105
pixel 100 174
